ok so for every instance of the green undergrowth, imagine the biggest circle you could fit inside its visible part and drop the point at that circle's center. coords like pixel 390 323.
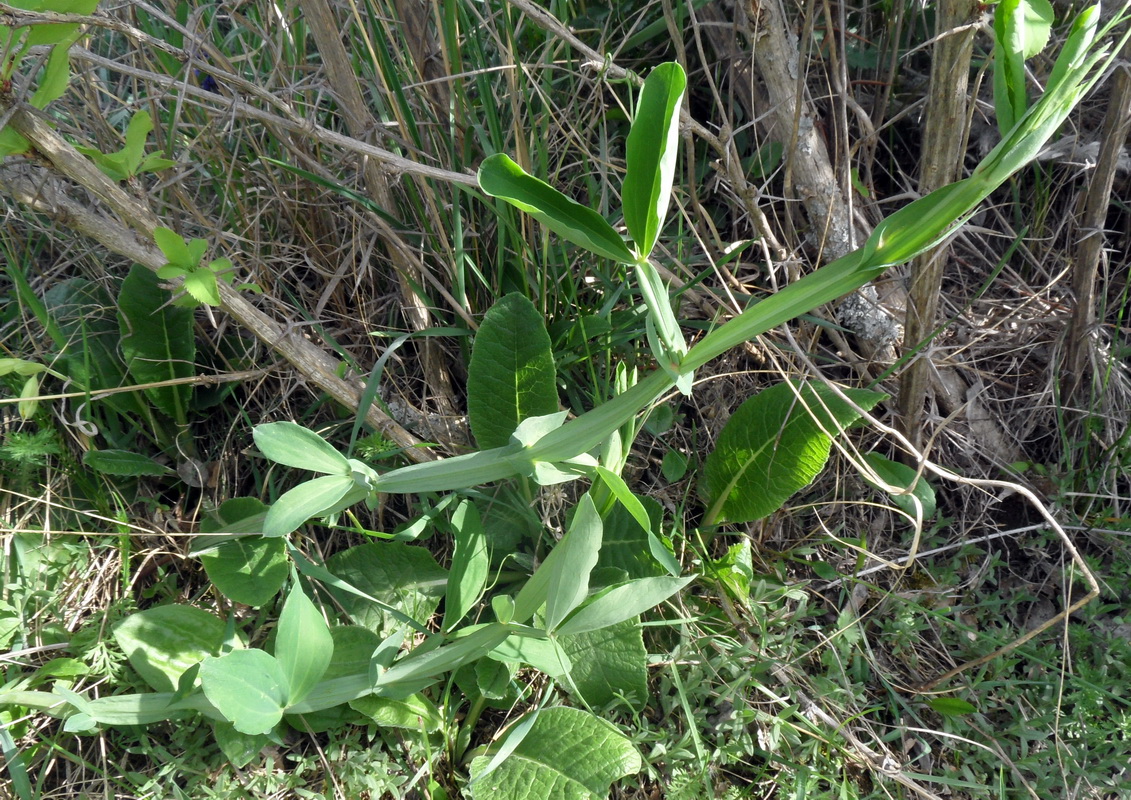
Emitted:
pixel 653 551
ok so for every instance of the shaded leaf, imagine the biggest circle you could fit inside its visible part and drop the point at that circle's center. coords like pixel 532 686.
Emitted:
pixel 248 570
pixel 124 463
pixel 511 376
pixel 902 476
pixel 161 643
pixel 403 576
pixel 773 446
pixel 157 341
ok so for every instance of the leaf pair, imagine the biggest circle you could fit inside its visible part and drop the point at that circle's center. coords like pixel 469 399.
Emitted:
pixel 651 152
pixel 344 483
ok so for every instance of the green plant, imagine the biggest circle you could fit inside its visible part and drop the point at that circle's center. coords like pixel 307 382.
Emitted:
pixel 131 160
pixel 199 279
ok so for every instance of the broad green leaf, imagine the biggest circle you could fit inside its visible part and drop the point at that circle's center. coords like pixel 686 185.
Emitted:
pixel 902 476
pixel 303 645
pixel 11 143
pixel 248 687
pixel 161 643
pixel 500 177
pixel 54 34
pixel 125 463
pixel 293 445
pixel 313 498
pixel 609 663
pixel 735 570
pixel 511 376
pixel 773 446
pixel 157 341
pixel 650 157
pixel 56 76
pixel 174 247
pixel 419 669
pixel 248 570
pixel 415 712
pixel 353 649
pixel 626 545
pixel 239 748
pixel 569 581
pixel 471 564
pixel 567 754
pixel 623 602
pixel 403 576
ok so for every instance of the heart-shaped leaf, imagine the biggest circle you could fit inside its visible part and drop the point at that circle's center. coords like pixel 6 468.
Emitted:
pixel 500 177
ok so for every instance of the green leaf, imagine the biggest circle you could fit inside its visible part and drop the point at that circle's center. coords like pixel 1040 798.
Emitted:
pixel 248 570
pixel 29 398
pixel 313 498
pixel 202 287
pixel 161 643
pixel 239 748
pixel 623 602
pixel 471 564
pixel 414 712
pixel 174 248
pixel 952 706
pixel 609 663
pixel 626 545
pixel 87 318
pixel 124 463
pixel 651 149
pixel 1021 30
pixel 511 376
pixel 353 650
pixel 902 476
pixel 157 341
pixel 293 445
pixel 576 552
pixel 403 576
pixel 248 687
pixel 569 580
pixel 773 446
pixel 567 754
pixel 56 76
pixel 136 132
pixel 419 668
pixel 500 177
pixel 20 366
pixel 303 645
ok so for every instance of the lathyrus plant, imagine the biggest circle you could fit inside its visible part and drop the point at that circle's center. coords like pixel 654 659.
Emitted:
pixel 320 673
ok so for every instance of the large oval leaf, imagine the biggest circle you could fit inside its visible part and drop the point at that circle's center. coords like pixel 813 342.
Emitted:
pixel 161 643
pixel 773 446
pixel 500 177
pixel 157 341
pixel 313 498
pixel 652 146
pixel 567 753
pixel 511 376
pixel 248 687
pixel 609 663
